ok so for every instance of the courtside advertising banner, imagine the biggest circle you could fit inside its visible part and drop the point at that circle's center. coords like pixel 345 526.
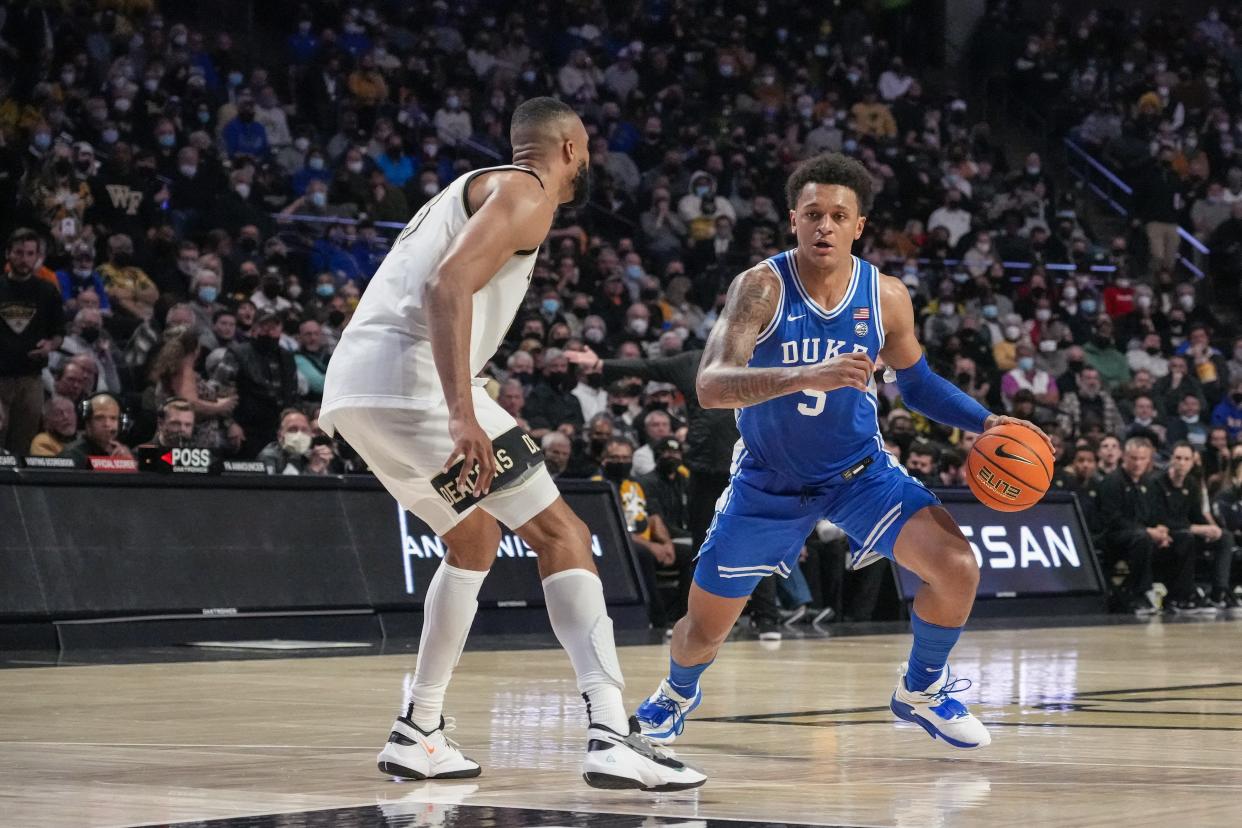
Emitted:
pixel 514 579
pixel 1042 551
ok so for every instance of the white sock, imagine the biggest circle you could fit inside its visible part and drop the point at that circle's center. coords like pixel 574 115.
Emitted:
pixel 448 612
pixel 575 599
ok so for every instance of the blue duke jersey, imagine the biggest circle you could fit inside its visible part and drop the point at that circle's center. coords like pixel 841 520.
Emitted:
pixel 812 437
pixel 811 454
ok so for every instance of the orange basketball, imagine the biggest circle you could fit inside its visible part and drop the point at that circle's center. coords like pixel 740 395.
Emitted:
pixel 1009 468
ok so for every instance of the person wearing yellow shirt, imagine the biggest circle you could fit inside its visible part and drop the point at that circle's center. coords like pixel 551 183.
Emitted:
pixel 60 424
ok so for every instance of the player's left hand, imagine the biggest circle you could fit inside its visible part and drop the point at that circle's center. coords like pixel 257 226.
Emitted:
pixel 472 445
pixel 1001 419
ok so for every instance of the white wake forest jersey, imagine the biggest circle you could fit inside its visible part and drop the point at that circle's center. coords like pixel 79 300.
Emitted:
pixel 384 356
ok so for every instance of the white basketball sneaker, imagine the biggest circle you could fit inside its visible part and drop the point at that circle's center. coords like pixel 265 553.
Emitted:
pixel 630 761
pixel 414 753
pixel 940 715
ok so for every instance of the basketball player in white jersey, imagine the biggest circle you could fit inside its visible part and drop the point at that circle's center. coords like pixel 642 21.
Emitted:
pixel 400 391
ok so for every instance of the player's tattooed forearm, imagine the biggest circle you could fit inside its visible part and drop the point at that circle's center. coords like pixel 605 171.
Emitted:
pixel 748 386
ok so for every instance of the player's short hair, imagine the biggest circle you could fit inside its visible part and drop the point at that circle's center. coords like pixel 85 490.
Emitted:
pixel 831 168
pixel 1181 444
pixel 534 115
pixel 1138 442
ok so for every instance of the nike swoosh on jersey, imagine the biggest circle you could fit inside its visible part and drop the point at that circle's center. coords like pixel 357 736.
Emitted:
pixel 792 318
pixel 1005 455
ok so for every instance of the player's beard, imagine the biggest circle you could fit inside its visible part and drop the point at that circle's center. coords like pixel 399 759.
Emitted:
pixel 582 187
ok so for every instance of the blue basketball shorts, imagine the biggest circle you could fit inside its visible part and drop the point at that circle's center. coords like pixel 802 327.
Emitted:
pixel 763 519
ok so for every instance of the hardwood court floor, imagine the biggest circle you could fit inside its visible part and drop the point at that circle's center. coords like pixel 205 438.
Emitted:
pixel 1135 725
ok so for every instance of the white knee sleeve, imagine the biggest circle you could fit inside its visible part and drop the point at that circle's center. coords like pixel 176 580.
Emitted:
pixel 448 612
pixel 575 599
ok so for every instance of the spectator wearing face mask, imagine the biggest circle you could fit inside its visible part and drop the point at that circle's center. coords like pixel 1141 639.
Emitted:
pixel 295 450
pixel 205 293
pixel 552 402
pixel 421 189
pixel 1102 354
pixel 88 339
pixel 238 207
pixel 81 275
pixel 1005 350
pixel 1196 313
pixel 699 208
pixel 314 202
pixel 1119 296
pixel 1189 424
pixel 649 536
pixel 952 216
pixel 131 291
pixel 1147 356
pixel 316 169
pixel 269 297
pixel 943 316
pixel 192 191
pixel 60 426
pixel 712 432
pixel 1025 376
pixel 267 382
pixel 921 462
pixel 174 426
pixel 1079 309
pixel 1171 388
pixel 1228 412
pixel 244 135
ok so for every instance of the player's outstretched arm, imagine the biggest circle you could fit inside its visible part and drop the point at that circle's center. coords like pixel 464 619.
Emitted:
pixel 724 379
pixel 922 390
pixel 514 215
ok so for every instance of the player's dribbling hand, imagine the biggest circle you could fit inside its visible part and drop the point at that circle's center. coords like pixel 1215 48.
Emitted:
pixel 1001 419
pixel 471 443
pixel 845 371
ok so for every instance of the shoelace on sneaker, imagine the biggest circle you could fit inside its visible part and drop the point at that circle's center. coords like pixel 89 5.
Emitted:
pixel 671 705
pixel 450 724
pixel 943 700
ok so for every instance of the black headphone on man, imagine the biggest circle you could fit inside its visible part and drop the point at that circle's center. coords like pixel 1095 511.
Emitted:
pixel 86 409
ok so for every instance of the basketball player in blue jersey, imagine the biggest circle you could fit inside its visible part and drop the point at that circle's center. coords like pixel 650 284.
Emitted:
pixel 794 351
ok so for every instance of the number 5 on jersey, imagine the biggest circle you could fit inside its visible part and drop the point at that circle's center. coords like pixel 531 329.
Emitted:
pixel 817 408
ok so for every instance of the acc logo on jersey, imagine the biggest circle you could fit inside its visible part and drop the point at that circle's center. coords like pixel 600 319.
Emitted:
pixel 860 329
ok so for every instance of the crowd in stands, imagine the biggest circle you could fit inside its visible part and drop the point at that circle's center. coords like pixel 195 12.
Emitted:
pixel 1156 97
pixel 191 223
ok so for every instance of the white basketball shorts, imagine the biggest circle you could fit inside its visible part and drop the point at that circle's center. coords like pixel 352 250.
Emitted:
pixel 405 448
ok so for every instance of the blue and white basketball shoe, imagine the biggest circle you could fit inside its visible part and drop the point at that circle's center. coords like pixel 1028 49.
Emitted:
pixel 662 716
pixel 942 716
